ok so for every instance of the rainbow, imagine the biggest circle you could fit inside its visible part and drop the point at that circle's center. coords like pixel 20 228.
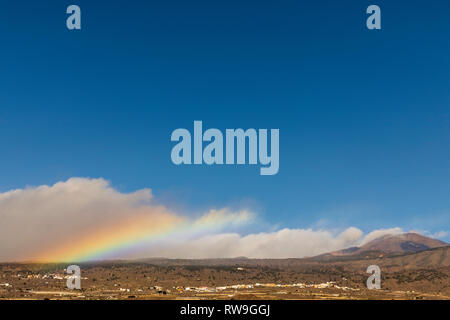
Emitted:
pixel 122 238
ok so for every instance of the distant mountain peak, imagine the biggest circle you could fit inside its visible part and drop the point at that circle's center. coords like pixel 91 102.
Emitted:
pixel 402 243
pixel 389 244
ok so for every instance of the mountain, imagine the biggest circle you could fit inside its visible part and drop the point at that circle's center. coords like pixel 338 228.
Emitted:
pixel 404 243
pixel 431 258
pixel 388 245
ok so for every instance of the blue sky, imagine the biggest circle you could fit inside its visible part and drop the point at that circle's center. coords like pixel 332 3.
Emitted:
pixel 364 116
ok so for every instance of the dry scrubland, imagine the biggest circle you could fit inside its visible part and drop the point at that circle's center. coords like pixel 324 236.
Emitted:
pixel 423 275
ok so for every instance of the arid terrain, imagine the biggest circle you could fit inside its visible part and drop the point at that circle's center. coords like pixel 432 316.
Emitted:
pixel 416 273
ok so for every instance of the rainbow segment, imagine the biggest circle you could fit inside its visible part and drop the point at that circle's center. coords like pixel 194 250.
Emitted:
pixel 124 237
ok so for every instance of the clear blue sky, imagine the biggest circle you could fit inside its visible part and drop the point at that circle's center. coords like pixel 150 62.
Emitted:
pixel 364 116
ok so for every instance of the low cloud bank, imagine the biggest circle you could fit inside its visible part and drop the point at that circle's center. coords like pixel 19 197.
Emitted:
pixel 285 243
pixel 42 218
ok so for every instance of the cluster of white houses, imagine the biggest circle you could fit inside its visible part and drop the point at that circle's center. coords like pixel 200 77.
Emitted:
pixel 330 284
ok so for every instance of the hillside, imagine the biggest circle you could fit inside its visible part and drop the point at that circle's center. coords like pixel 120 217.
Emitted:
pixel 388 245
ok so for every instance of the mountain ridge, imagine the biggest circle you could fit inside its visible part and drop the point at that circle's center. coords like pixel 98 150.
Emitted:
pixel 387 245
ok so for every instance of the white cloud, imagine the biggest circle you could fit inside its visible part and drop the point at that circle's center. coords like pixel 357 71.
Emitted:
pixel 41 219
pixel 38 219
pixel 379 233
pixel 437 235
pixel 286 243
